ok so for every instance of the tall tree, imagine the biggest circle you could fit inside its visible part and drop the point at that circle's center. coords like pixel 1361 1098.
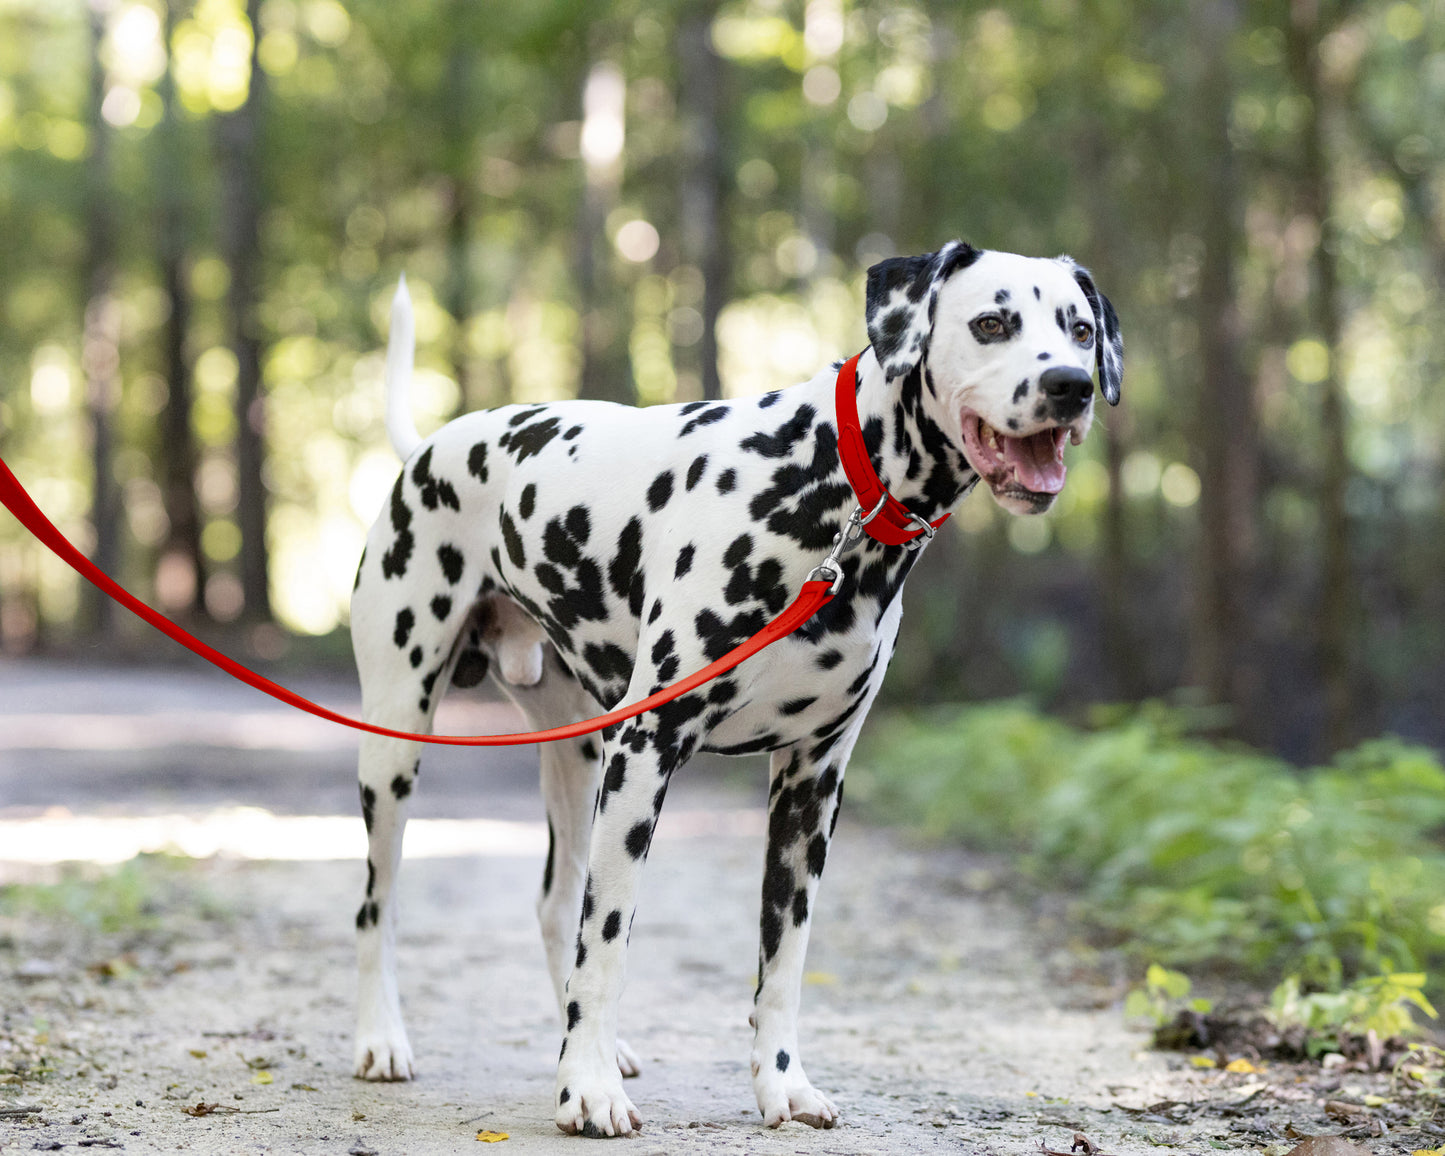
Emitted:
pixel 1339 597
pixel 178 443
pixel 239 139
pixel 100 349
pixel 704 179
pixel 1225 422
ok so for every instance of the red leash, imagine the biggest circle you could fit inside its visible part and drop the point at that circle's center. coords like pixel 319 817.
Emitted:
pixel 816 593
pixel 889 522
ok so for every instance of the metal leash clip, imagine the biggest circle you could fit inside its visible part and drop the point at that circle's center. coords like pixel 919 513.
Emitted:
pixel 830 569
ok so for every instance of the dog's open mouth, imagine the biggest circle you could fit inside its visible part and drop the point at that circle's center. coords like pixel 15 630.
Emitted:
pixel 1032 464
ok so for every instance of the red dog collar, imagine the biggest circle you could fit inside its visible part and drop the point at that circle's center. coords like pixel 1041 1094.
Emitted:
pixel 893 523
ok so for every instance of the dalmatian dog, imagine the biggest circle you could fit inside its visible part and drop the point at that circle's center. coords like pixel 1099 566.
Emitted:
pixel 587 554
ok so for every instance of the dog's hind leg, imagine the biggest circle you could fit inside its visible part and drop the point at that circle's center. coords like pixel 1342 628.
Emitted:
pixel 571 771
pixel 404 659
pixel 805 790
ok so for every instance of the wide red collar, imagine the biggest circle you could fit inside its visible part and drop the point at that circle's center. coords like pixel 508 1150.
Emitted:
pixel 894 524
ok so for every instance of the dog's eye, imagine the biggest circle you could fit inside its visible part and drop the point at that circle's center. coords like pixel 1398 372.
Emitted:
pixel 1083 332
pixel 990 326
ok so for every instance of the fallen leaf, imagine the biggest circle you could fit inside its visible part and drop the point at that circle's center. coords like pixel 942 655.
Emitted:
pixel 1203 1061
pixel 1240 1065
pixel 200 1109
pixel 820 978
pixel 199 1053
pixel 1429 1151
pixel 1374 1101
pixel 262 1077
pixel 302 1088
pixel 491 1137
pixel 1328 1146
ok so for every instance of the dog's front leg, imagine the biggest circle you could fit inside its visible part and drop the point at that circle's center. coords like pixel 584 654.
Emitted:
pixel 805 790
pixel 637 761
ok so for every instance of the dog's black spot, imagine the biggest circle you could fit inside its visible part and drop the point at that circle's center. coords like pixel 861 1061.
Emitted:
pixel 551 855
pixel 660 491
pixel 829 659
pixel 451 561
pixel 572 433
pixel 640 837
pixel 782 1060
pixel 691 407
pixel 718 637
pixel 405 620
pixel 1037 296
pixel 530 440
pixel 471 668
pixel 768 400
pixel 393 562
pixel 785 438
pixel 695 471
pixel 368 807
pixel 528 501
pixel 800 907
pixel 1021 390
pixel 623 574
pixel 477 462
pixel 588 749
pixel 434 491
pixel 1001 296
pixel 579 524
pixel 797 705
pixel 707 417
pixel 513 541
pixel 367 916
pixel 574 1013
pixel 441 606
pixel 611 925
pixel 566 1093
pixel 684 560
pixel 727 481
pixel 401 786
pixel 415 657
pixel 613 780
pixel 656 612
pixel 1013 423
pixel 817 854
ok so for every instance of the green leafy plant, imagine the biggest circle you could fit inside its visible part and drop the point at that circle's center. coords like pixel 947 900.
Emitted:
pixel 1164 994
pixel 1376 1003
pixel 1186 852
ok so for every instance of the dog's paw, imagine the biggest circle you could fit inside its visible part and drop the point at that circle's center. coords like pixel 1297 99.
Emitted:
pixel 784 1096
pixel 627 1062
pixel 595 1106
pixel 384 1056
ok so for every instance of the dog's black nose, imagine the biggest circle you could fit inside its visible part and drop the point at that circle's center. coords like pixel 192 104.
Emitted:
pixel 1067 386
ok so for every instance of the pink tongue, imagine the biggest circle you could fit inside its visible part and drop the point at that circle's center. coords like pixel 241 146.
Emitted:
pixel 1034 462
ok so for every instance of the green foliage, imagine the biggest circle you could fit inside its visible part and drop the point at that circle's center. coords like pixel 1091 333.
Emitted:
pixel 1164 994
pixel 1192 853
pixel 1378 1003
pixel 133 897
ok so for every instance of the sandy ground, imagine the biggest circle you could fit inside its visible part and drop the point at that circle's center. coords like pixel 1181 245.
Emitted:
pixel 940 1012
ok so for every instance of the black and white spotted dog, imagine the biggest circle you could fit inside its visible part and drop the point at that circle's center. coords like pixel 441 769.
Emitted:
pixel 589 554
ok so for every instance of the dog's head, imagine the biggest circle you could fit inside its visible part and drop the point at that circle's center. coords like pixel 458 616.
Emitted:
pixel 1009 346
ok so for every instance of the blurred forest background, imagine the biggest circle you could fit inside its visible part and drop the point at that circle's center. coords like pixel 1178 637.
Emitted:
pixel 205 204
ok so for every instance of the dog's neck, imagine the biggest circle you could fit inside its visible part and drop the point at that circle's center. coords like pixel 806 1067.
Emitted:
pixel 903 428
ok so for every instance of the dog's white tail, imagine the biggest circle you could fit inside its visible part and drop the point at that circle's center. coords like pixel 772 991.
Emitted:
pixel 400 355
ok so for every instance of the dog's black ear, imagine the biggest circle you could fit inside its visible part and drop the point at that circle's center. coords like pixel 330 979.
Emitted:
pixel 1109 344
pixel 902 295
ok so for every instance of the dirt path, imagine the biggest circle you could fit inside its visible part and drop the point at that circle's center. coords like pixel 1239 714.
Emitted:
pixel 934 1014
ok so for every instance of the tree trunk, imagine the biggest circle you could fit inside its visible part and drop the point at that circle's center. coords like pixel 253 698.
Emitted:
pixel 605 367
pixel 178 444
pixel 1339 597
pixel 238 136
pixel 100 349
pixel 1226 426
pixel 704 180
pixel 459 122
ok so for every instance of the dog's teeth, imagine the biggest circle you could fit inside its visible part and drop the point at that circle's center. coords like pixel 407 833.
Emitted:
pixel 1074 438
